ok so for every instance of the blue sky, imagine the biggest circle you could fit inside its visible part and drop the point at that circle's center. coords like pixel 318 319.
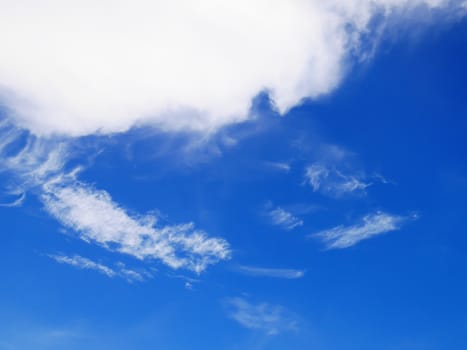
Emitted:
pixel 329 215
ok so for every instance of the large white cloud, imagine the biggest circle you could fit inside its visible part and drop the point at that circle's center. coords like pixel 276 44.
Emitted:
pixel 78 67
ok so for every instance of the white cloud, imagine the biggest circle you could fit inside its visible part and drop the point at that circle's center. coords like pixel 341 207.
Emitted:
pixel 272 272
pixel 33 161
pixel 17 201
pixel 80 67
pixel 84 263
pixel 333 182
pixel 284 219
pixel 120 270
pixel 98 219
pixel 38 165
pixel 279 166
pixel 272 319
pixel 371 225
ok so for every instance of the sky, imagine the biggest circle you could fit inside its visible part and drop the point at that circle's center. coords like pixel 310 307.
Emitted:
pixel 254 175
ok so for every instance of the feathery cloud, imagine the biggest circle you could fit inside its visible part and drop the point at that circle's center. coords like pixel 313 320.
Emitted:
pixel 272 319
pixel 370 226
pixel 284 219
pixel 39 165
pixel 331 181
pixel 120 270
pixel 98 219
pixel 84 263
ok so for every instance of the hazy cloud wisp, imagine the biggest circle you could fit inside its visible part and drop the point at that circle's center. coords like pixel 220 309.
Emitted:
pixel 83 263
pixel 284 219
pixel 370 226
pixel 333 182
pixel 271 272
pixel 271 319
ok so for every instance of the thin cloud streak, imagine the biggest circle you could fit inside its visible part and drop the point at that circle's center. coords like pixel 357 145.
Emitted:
pixel 15 203
pixel 283 166
pixel 371 225
pixel 271 272
pixel 83 263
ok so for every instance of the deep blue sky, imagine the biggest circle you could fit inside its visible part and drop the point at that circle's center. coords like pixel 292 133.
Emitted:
pixel 397 122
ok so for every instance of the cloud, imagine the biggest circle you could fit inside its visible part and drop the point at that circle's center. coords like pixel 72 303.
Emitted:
pixel 87 264
pixel 370 226
pixel 284 219
pixel 98 219
pixel 40 165
pixel 16 202
pixel 28 160
pixel 84 263
pixel 272 319
pixel 271 272
pixel 81 67
pixel 331 181
pixel 283 166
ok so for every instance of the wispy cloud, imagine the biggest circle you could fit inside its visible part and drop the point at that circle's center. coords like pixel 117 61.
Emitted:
pixel 40 165
pixel 283 166
pixel 84 263
pixel 16 201
pixel 97 218
pixel 31 160
pixel 371 225
pixel 271 272
pixel 332 181
pixel 87 264
pixel 284 219
pixel 271 319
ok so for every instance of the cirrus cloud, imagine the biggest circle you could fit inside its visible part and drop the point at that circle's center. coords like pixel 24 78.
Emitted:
pixel 271 319
pixel 371 225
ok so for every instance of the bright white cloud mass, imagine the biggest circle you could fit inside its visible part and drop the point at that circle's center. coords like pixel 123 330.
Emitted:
pixel 104 66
